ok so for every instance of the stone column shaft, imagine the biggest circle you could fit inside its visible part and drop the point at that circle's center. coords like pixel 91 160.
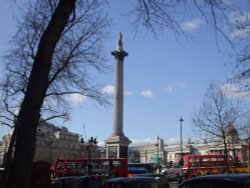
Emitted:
pixel 118 99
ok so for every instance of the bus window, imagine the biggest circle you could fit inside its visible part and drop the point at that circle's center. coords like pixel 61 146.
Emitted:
pixel 115 166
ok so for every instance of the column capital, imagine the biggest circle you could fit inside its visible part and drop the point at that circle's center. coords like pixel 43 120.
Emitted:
pixel 119 55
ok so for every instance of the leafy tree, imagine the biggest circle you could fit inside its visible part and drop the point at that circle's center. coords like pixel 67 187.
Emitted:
pixel 216 113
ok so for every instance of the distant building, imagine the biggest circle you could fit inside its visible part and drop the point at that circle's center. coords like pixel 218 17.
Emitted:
pixel 53 142
pixel 151 153
pixel 171 153
pixel 4 147
pixel 57 142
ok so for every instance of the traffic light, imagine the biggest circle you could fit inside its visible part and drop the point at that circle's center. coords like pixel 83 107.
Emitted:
pixel 171 164
pixel 181 162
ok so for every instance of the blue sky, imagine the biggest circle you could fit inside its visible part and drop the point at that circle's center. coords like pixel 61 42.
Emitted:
pixel 163 79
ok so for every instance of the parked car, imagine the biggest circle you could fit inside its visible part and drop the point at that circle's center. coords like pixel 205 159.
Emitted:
pixel 162 179
pixel 132 182
pixel 90 182
pixel 93 181
pixel 64 182
pixel 218 181
pixel 172 174
pixel 132 171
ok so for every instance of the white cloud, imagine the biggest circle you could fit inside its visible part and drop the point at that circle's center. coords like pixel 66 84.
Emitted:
pixel 233 91
pixel 191 25
pixel 241 32
pixel 143 142
pixel 76 98
pixel 101 143
pixel 136 142
pixel 147 93
pixel 240 21
pixel 183 84
pixel 150 141
pixel 169 89
pixel 128 93
pixel 240 17
pixel 173 141
pixel 109 89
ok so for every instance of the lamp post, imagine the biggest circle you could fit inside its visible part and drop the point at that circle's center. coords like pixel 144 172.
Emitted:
pixel 91 144
pixel 249 150
pixel 181 121
pixel 157 150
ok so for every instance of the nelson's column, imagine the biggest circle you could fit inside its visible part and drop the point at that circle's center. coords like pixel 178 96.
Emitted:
pixel 117 143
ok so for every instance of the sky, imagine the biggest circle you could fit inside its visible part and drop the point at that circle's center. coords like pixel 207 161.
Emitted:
pixel 164 79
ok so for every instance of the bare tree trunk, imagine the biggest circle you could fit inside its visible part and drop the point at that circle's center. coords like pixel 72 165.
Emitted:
pixel 9 158
pixel 226 153
pixel 227 159
pixel 29 114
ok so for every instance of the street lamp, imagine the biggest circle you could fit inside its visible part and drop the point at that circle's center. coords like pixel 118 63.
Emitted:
pixel 248 149
pixel 91 144
pixel 181 121
pixel 157 150
pixel 146 156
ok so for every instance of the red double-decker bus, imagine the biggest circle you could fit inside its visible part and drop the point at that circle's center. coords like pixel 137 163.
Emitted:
pixel 114 167
pixel 205 164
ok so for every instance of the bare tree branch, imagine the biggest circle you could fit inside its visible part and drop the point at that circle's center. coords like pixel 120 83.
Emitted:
pixel 78 50
pixel 216 114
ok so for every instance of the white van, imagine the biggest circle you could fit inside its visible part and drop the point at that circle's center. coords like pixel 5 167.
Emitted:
pixel 172 173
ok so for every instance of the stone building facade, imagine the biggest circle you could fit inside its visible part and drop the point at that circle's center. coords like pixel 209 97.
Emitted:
pixel 57 142
pixel 54 142
pixel 171 153
pixel 239 150
pixel 151 153
pixel 4 147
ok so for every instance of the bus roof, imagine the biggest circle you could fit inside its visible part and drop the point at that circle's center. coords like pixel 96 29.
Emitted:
pixel 203 156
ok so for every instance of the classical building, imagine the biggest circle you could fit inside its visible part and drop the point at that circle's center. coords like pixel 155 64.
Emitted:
pixel 4 147
pixel 166 154
pixel 152 153
pixel 54 142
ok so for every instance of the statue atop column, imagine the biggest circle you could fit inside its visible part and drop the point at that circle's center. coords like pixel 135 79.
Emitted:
pixel 119 52
pixel 119 47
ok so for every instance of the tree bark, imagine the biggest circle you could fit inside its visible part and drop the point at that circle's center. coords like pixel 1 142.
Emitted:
pixel 9 158
pixel 227 158
pixel 29 114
